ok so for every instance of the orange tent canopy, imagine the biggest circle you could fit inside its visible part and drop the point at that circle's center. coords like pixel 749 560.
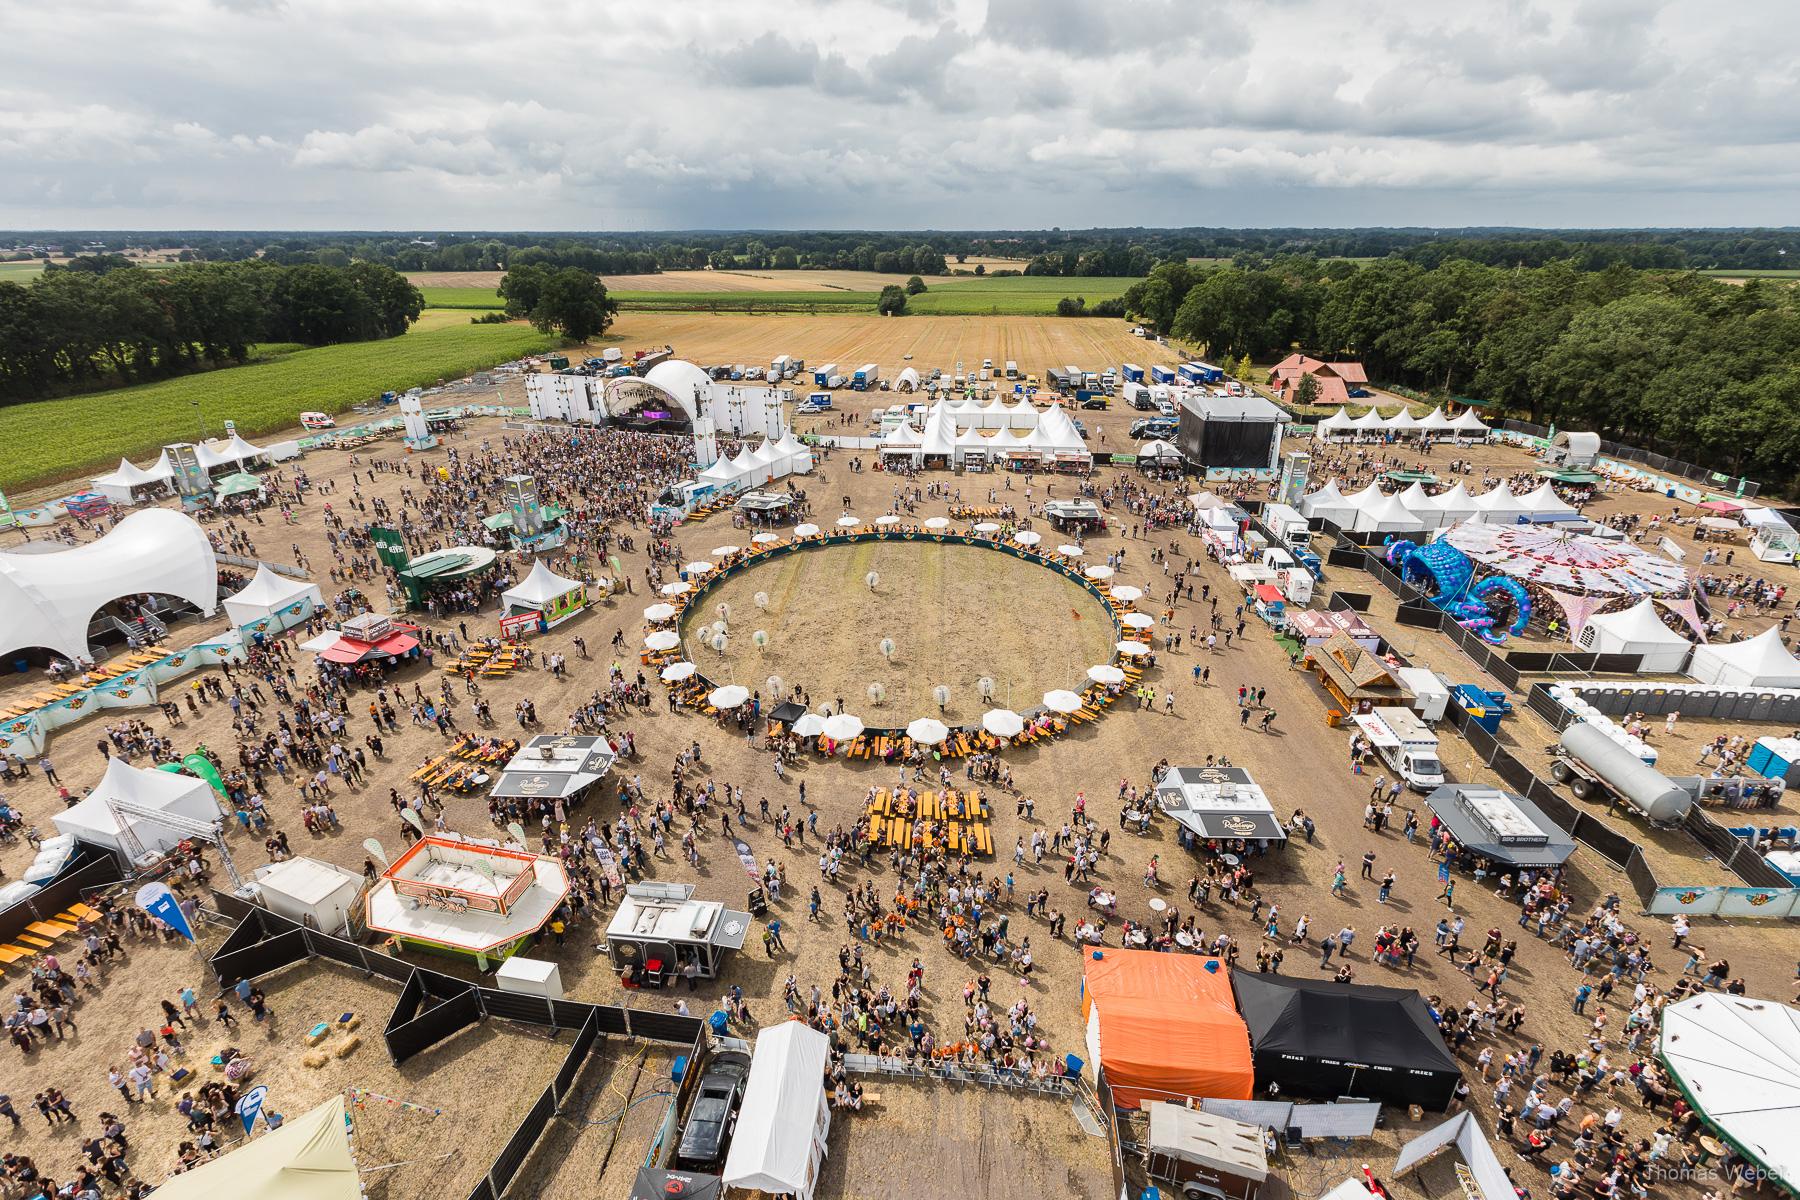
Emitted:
pixel 1166 1026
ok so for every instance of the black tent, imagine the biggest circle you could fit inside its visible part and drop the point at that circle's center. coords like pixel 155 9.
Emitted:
pixel 652 1184
pixel 1316 1038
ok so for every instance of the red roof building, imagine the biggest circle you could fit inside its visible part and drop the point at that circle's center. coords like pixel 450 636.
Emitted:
pixel 1335 379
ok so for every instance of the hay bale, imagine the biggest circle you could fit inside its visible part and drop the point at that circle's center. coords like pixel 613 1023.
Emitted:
pixel 348 1047
pixel 314 1059
pixel 351 1025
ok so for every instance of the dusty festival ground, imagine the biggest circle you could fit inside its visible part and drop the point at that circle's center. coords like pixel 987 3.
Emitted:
pixel 954 614
pixel 1300 763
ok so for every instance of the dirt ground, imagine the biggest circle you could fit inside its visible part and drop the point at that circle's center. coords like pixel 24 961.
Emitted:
pixel 936 603
pixel 1300 763
pixel 608 1127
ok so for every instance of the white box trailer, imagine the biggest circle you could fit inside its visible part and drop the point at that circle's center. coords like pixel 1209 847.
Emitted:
pixel 1287 525
pixel 1405 744
pixel 782 365
pixel 1012 369
pixel 1430 694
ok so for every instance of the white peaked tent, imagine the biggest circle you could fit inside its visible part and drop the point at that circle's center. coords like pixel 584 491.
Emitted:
pixel 1467 424
pixel 939 437
pixel 539 591
pixel 119 486
pixel 971 443
pixel 722 475
pixel 275 599
pixel 1636 630
pixel 751 471
pixel 1737 1060
pixel 1155 450
pixel 769 457
pixel 308 1158
pixel 1369 495
pixel 1370 422
pixel 93 822
pixel 1330 504
pixel 233 452
pixel 799 457
pixel 1435 422
pixel 162 471
pixel 1455 504
pixel 1402 422
pixel 782 1126
pixel 48 599
pixel 1499 505
pixel 1388 515
pixel 1545 502
pixel 1762 661
pixel 1417 499
pixel 1337 423
pixel 901 439
pixel 1021 414
pixel 907 381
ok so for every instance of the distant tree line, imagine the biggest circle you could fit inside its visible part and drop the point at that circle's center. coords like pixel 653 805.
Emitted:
pixel 101 322
pixel 1676 362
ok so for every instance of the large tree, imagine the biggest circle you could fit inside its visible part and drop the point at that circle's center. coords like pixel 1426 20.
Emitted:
pixel 574 303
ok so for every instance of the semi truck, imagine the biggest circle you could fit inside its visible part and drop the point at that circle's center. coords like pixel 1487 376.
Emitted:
pixel 1132 373
pixel 1163 375
pixel 866 379
pixel 1137 396
pixel 1206 372
pixel 1286 523
pixel 1593 765
pixel 781 367
pixel 1058 378
pixel 1012 369
pixel 1403 742
pixel 822 376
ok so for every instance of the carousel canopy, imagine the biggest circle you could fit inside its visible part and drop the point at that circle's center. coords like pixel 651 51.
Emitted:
pixel 1569 562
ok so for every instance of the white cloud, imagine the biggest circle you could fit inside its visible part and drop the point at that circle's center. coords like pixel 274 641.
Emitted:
pixel 896 113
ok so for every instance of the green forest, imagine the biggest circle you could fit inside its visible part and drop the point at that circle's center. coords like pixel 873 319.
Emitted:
pixel 102 322
pixel 1671 361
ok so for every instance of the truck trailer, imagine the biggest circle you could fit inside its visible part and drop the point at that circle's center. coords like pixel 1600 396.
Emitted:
pixel 1162 375
pixel 1593 765
pixel 866 379
pixel 1403 742
pixel 822 375
pixel 1132 373
pixel 1012 369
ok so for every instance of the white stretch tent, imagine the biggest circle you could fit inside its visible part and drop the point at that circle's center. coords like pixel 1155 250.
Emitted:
pixel 308 1158
pixel 1389 515
pixel 1370 422
pixel 1435 422
pixel 309 891
pixel 93 822
pixel 781 1129
pixel 1636 630
pixel 48 599
pixel 275 599
pixel 1330 504
pixel 1762 661
pixel 721 475
pixel 119 485
pixel 1737 1060
pixel 1338 423
pixel 799 455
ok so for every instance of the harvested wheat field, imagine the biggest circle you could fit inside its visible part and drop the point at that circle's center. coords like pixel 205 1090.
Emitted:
pixel 701 281
pixel 954 613
pixel 1035 343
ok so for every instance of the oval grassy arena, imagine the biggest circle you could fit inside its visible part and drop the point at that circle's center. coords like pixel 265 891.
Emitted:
pixel 955 612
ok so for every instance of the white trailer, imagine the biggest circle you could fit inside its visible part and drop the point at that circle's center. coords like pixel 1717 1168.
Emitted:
pixel 1012 369
pixel 1287 525
pixel 1404 743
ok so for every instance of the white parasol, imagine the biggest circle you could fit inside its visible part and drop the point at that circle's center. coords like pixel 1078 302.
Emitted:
pixel 805 530
pixel 1070 551
pixel 935 523
pixel 659 612
pixel 809 725
pixel 886 519
pixel 986 527
pixel 1132 649
pixel 662 639
pixel 1062 700
pixel 725 551
pixel 676 672
pixel 699 567
pixel 1002 722
pixel 1137 620
pixel 1106 673
pixel 928 731
pixel 675 588
pixel 843 727
pixel 1098 571
pixel 729 696
pixel 1028 537
pixel 1126 594
pixel 848 522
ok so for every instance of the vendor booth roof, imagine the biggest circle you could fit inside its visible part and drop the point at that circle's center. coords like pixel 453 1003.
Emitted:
pixel 1218 802
pixel 1386 1035
pixel 1762 661
pixel 1502 826
pixel 555 766
pixel 538 589
pixel 266 594
pixel 308 1158
pixel 1633 630
pixel 773 1149
pixel 1737 1060
pixel 1166 1026
pixel 1467 422
pixel 92 820
pixel 127 476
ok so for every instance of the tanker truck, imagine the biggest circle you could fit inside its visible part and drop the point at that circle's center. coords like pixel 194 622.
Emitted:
pixel 1595 766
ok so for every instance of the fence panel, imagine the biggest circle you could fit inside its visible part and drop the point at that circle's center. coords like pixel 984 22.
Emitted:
pixel 89 871
pixel 269 954
pixel 665 1027
pixel 512 1155
pixel 518 1006
pixel 1349 601
pixel 584 1042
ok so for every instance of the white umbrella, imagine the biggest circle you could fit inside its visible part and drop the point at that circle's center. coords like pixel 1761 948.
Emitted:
pixel 1062 700
pixel 1106 673
pixel 765 539
pixel 1132 649
pixel 676 672
pixel 662 639
pixel 1002 722
pixel 1028 537
pixel 1070 551
pixel 1098 571
pixel 806 530
pixel 1126 594
pixel 928 731
pixel 1137 620
pixel 725 551
pixel 729 696
pixel 848 522
pixel 986 527
pixel 937 522
pixel 887 519
pixel 699 567
pixel 659 612
pixel 843 727
pixel 675 588
pixel 809 725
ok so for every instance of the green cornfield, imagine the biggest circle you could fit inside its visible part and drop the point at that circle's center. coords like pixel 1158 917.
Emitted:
pixel 48 441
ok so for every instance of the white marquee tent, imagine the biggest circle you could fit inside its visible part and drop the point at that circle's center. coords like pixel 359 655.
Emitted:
pixel 48 599
pixel 721 475
pixel 234 452
pixel 1499 505
pixel 1636 630
pixel 93 822
pixel 1455 505
pixel 799 455
pixel 782 1126
pixel 1544 502
pixel 1370 422
pixel 1435 422
pixel 1737 1060
pixel 1388 515
pixel 1762 661
pixel 539 591
pixel 308 1158
pixel 1403 422
pixel 282 602
pixel 1330 504
pixel 1467 424
pixel 1338 423
pixel 121 486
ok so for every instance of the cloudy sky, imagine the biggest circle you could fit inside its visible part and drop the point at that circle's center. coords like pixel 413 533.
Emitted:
pixel 628 114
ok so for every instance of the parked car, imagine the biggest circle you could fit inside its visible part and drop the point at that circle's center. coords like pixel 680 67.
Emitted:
pixel 713 1114
pixel 1154 427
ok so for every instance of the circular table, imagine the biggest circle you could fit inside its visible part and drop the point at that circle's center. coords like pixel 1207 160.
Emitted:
pixel 1103 899
pixel 1138 938
pixel 1230 860
pixel 1157 904
pixel 1184 939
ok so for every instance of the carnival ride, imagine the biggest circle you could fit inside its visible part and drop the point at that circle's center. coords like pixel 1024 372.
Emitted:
pixel 1493 607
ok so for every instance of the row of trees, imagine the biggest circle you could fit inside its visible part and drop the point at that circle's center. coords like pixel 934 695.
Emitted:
pixel 1676 362
pixel 103 324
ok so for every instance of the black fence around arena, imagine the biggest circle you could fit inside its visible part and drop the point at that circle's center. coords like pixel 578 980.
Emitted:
pixel 90 871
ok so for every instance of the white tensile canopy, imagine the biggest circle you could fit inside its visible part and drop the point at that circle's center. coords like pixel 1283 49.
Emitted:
pixel 118 485
pixel 1737 1060
pixel 939 438
pixel 1762 661
pixel 799 456
pixel 93 822
pixel 1402 422
pixel 769 457
pixel 901 437
pixel 1545 502
pixel 1435 422
pixel 162 471
pixel 1369 495
pixel 1155 449
pixel 1388 515
pixel 782 1126
pixel 308 1158
pixel 48 599
pixel 1338 422
pixel 234 452
pixel 1499 502
pixel 1571 562
pixel 1021 414
pixel 1330 504
pixel 1636 630
pixel 1417 499
pixel 745 464
pixel 907 380
pixel 1370 422
pixel 537 590
pixel 1467 424
pixel 721 474
pixel 267 597
pixel 1455 504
